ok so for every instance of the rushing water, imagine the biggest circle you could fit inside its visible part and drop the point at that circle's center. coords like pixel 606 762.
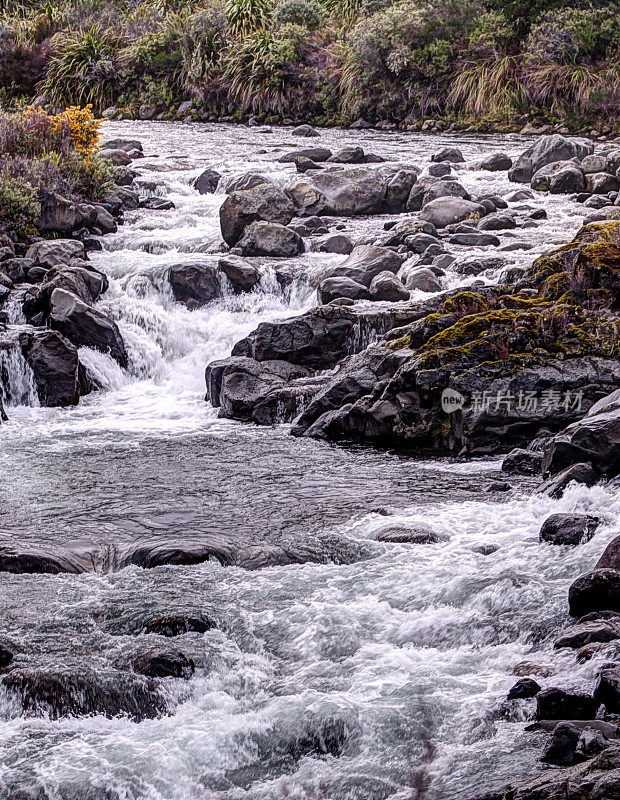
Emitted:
pixel 405 654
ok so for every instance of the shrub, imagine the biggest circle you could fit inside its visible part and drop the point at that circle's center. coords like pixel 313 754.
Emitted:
pixel 489 85
pixel 306 13
pixel 19 207
pixel 80 126
pixel 247 16
pixel 85 68
pixel 573 35
pixel 202 39
pixel 30 133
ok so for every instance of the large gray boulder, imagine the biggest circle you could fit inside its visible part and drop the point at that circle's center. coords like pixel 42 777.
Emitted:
pixel 428 189
pixel 87 284
pixel 63 216
pixel 263 203
pixel 242 275
pixel 86 326
pixel 387 287
pixel 545 151
pixel 59 377
pixel 316 154
pixel 449 210
pixel 339 192
pixel 270 239
pixel 249 180
pixel 207 181
pixel 559 177
pixel 595 439
pixel 336 288
pixel 194 285
pixel 51 253
pixel 365 262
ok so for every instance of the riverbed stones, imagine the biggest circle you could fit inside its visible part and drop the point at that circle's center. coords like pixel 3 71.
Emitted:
pixel 177 625
pixel 559 177
pixel 316 154
pixel 425 190
pixel 410 536
pixel 270 239
pixel 496 162
pixel 86 326
pixel 584 633
pixel 524 689
pixel 387 287
pixel 607 690
pixel 598 590
pixel 568 529
pixel 365 262
pixel 56 252
pixel 451 154
pixel 264 203
pixel 423 280
pixel 560 749
pixel 305 130
pixel 207 181
pixel 242 275
pixel 194 285
pixel 336 243
pixel 334 288
pixel 249 180
pixel 339 192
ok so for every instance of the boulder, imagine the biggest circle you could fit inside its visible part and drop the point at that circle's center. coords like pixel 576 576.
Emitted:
pixel 163 663
pixel 303 164
pixel 602 183
pixel 52 253
pixel 305 131
pixel 249 180
pixel 122 144
pixel 568 529
pixel 560 750
pixel 449 210
pixel 335 288
pixel 207 181
pixel 86 326
pixel 240 273
pixel 611 556
pixel 577 473
pixel 399 188
pixel 386 286
pixel 524 689
pixel 59 377
pixel 270 239
pixel 585 633
pixel 607 690
pixel 451 154
pixel 497 222
pixel 194 285
pixel 593 164
pixel 425 190
pixel 116 156
pixel 546 150
pixel 316 154
pixel 496 162
pixel 348 155
pixel 336 243
pixel 365 262
pixel 177 625
pixel 410 536
pixel 559 177
pixel 594 439
pixel 522 462
pixel 262 204
pixel 350 192
pixel 423 280
pixel 475 240
pixel 156 204
pixel 554 703
pixel 595 591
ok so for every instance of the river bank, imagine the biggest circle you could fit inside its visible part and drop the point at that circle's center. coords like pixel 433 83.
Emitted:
pixel 316 652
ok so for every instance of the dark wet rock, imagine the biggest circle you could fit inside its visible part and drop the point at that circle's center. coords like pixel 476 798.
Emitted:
pixel 560 177
pixel 122 199
pixel 317 154
pixel 399 187
pixel 82 281
pixel 497 222
pixel 568 529
pixel 475 239
pixel 247 181
pixel 451 154
pixel 116 156
pixel 160 663
pixel 177 625
pixel 207 181
pixel 122 144
pixel 588 632
pixel 85 326
pixel 365 262
pixel 305 131
pixel 262 204
pixel 594 439
pixel 577 473
pixel 240 273
pixel 321 737
pixel 56 252
pixel 560 750
pixel 59 377
pixel 333 288
pixel 498 486
pixel 522 462
pixel 410 536
pixel 545 151
pixel 611 556
pixel 496 162
pixel 194 285
pixel 607 690
pixel 60 692
pixel 156 204
pixel 420 242
pixel 524 689
pixel 270 239
pixel 340 192
pixel 595 591
pixel 486 549
pixel 386 286
pixel 303 164
pixel 348 155
pixel 556 703
pixel 440 169
pixel 62 216
pixel 6 657
pixel 590 744
pixel 449 210
pixel 336 243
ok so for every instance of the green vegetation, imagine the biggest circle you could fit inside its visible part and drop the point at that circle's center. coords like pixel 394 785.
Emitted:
pixel 42 153
pixel 327 61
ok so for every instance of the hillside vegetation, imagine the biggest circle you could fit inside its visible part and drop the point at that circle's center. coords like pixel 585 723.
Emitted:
pixel 325 61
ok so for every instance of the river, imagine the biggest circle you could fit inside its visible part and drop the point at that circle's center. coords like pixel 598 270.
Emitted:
pixel 376 671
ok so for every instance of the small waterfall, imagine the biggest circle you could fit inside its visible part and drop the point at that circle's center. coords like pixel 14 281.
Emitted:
pixel 17 378
pixel 13 308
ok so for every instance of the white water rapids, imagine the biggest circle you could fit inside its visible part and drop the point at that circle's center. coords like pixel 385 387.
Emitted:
pixel 408 654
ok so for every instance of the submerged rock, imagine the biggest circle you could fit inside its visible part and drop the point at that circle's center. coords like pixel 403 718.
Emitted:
pixel 568 529
pixel 161 663
pixel 194 285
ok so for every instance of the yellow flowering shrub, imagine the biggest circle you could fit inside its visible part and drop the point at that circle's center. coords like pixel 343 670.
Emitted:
pixel 81 127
